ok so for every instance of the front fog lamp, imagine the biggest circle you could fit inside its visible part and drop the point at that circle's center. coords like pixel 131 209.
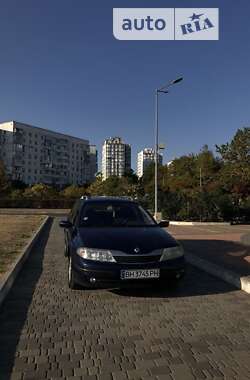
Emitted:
pixel 96 254
pixel 172 253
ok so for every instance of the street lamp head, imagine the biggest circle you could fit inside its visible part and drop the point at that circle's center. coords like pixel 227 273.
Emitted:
pixel 166 87
pixel 177 80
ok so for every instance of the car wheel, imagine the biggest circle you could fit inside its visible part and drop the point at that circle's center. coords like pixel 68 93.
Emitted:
pixel 71 279
pixel 66 249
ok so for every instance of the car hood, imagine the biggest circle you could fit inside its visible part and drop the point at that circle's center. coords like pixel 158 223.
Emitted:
pixel 126 239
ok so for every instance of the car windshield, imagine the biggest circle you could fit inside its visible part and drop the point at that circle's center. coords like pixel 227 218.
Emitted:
pixel 115 214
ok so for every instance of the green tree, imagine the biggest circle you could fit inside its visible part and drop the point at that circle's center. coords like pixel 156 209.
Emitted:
pixel 18 184
pixel 183 174
pixel 115 186
pixel 16 194
pixel 238 150
pixel 207 169
pixel 131 177
pixel 73 192
pixel 96 187
pixel 235 173
pixel 147 179
pixel 40 191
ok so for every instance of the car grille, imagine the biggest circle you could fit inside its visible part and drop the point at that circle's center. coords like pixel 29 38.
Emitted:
pixel 139 259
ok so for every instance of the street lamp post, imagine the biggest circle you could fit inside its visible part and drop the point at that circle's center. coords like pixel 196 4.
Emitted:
pixel 156 151
pixel 163 89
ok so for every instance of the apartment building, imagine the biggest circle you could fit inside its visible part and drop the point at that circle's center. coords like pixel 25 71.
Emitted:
pixel 145 158
pixel 116 158
pixel 93 162
pixel 37 155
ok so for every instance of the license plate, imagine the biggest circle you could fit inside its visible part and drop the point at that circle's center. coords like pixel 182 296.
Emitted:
pixel 139 273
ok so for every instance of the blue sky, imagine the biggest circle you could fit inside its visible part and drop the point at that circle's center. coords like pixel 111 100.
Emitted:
pixel 62 69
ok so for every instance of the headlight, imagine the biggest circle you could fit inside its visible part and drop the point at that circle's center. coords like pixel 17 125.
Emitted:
pixel 96 254
pixel 172 253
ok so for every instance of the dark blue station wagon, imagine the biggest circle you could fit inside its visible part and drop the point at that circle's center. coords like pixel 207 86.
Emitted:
pixel 114 241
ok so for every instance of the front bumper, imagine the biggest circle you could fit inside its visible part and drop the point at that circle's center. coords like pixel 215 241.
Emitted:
pixel 90 273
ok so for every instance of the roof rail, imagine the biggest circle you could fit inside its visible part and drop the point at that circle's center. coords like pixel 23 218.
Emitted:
pixel 108 196
pixel 119 197
pixel 126 197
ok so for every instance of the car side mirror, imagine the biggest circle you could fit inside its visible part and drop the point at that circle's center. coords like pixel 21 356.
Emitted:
pixel 163 223
pixel 65 224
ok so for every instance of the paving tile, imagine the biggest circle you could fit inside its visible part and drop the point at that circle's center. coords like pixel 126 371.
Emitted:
pixel 199 331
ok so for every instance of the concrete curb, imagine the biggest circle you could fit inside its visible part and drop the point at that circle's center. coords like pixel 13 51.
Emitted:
pixel 32 211
pixel 175 223
pixel 9 278
pixel 240 282
pixel 245 239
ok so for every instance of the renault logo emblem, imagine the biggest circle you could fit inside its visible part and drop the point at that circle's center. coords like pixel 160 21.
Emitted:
pixel 136 250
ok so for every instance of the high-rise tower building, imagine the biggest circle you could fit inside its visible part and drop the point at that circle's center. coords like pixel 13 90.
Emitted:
pixel 145 158
pixel 116 158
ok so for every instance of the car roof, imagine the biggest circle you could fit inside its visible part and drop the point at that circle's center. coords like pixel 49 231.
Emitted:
pixel 107 199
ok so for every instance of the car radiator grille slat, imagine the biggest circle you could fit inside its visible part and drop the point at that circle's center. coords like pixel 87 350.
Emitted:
pixel 137 259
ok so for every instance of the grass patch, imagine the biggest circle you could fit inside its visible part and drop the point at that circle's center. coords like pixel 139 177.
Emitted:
pixel 15 232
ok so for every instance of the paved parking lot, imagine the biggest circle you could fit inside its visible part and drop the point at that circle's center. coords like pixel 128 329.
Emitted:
pixel 199 331
pixel 224 245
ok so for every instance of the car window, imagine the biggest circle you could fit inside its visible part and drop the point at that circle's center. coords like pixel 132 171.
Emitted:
pixel 114 214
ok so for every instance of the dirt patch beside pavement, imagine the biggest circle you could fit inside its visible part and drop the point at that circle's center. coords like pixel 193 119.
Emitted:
pixel 15 232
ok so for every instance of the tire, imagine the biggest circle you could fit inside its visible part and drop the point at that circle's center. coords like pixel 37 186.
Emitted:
pixel 66 249
pixel 71 280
